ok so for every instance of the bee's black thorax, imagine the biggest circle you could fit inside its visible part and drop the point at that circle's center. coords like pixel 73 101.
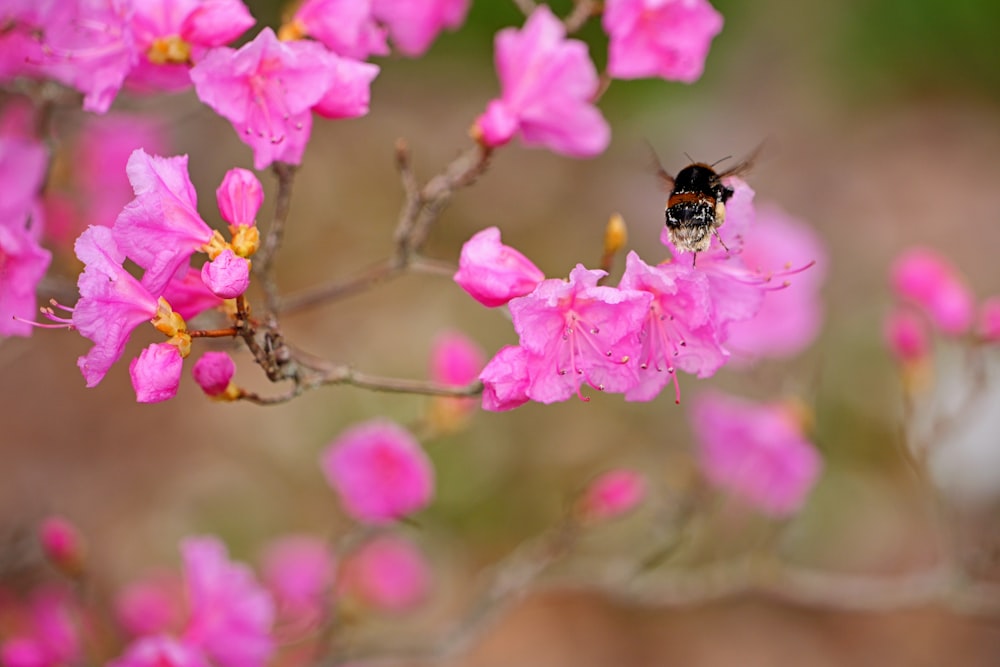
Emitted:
pixel 696 207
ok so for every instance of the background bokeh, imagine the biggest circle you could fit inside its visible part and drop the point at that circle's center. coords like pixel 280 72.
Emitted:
pixel 881 123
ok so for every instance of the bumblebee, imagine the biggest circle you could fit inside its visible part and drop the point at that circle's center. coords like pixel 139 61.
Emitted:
pixel 696 207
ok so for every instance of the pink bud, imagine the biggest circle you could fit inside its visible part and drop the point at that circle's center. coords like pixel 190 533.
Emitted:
pixel 388 573
pixel 989 319
pixel 239 197
pixel 612 494
pixel 228 275
pixel 906 336
pixel 923 276
pixel 494 273
pixel 380 472
pixel 62 544
pixel 213 372
pixel 156 373
pixel 455 359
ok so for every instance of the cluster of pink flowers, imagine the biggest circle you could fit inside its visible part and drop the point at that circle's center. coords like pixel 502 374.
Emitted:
pixel 633 338
pixel 160 230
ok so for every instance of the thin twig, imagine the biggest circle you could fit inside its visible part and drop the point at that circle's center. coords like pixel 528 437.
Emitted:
pixel 263 264
pixel 379 272
pixel 582 11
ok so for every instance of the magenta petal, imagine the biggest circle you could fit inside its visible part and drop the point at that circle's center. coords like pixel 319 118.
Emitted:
pixel 494 273
pixel 23 264
pixel 349 93
pixel 227 276
pixel 156 373
pixel 239 196
pixel 216 22
pixel 505 380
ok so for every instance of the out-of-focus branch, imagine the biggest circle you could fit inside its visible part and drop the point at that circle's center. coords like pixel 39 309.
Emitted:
pixel 582 11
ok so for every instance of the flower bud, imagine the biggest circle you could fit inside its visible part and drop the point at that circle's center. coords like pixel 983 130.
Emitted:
pixel 611 495
pixel 240 197
pixel 615 235
pixel 493 273
pixel 228 276
pixel 906 335
pixel 63 545
pixel 156 373
pixel 389 573
pixel 214 374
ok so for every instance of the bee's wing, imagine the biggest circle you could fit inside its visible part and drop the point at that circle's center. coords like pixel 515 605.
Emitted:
pixel 744 165
pixel 665 178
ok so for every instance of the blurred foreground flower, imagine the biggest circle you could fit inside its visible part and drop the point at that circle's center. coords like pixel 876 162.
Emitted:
pixel 612 494
pixel 757 452
pixel 388 573
pixel 380 472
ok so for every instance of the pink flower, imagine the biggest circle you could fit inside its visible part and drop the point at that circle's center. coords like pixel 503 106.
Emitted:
pixel 927 279
pixel 547 86
pixel 612 494
pixel 239 196
pixel 414 25
pixel 188 295
pixel 23 161
pixel 346 27
pixel 906 335
pixel 266 90
pixel 505 380
pixel 387 573
pixel 227 275
pixel 156 373
pixel 170 34
pixel 213 372
pixel 48 636
pixel 151 605
pixel 23 264
pixel 791 314
pixel 380 472
pixel 455 359
pixel 299 571
pixel 349 92
pixel 160 229
pixel 62 544
pixel 231 614
pixel 161 651
pixel 679 331
pixel 112 303
pixel 577 332
pixel 664 38
pixel 757 452
pixel 493 273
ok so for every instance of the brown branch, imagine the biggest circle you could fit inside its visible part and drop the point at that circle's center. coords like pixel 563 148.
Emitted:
pixel 380 272
pixel 263 263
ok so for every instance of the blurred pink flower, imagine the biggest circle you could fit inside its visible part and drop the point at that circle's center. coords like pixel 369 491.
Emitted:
pixel 23 162
pixel 791 313
pixel 227 276
pixel 989 319
pixel 231 614
pixel 547 85
pixel 266 89
pixel 152 605
pixel 455 359
pixel 112 303
pixel 346 27
pixel 171 34
pixel 907 336
pixel 299 571
pixel 413 26
pixel 612 494
pixel 380 472
pixel 665 38
pixel 494 273
pixel 349 91
pixel 213 372
pixel 388 573
pixel 924 277
pixel 577 332
pixel 156 373
pixel 161 651
pixel 23 264
pixel 48 635
pixel 160 229
pixel 239 197
pixel 678 333
pixel 757 452
pixel 505 380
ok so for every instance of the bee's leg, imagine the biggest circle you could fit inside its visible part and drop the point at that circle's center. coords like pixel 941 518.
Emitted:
pixel 694 259
pixel 715 232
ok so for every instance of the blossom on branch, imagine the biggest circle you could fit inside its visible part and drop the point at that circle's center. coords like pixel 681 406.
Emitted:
pixel 494 273
pixel 548 84
pixel 156 373
pixel 663 38
pixel 266 89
